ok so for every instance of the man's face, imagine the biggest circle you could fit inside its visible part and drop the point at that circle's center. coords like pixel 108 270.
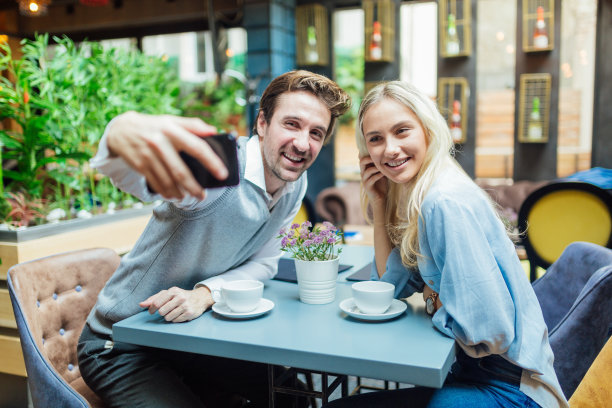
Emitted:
pixel 293 139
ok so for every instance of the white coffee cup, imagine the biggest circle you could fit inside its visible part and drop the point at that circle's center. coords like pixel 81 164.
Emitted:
pixel 373 297
pixel 241 296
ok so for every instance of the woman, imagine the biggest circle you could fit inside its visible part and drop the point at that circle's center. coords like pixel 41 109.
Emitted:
pixel 436 232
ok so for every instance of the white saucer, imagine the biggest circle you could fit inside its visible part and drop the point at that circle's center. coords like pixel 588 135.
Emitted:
pixel 265 305
pixel 397 308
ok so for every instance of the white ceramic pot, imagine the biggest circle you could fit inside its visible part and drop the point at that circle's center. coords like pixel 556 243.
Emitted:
pixel 317 280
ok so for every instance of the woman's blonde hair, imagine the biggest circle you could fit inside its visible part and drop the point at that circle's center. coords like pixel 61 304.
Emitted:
pixel 404 200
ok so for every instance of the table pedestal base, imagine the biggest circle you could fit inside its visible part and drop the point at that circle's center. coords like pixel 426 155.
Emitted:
pixel 283 384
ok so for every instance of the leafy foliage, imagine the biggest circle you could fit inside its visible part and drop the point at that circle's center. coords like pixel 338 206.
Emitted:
pixel 61 97
pixel 220 102
pixel 23 210
pixel 349 75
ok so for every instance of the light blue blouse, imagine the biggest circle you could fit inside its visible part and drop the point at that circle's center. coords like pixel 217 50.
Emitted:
pixel 488 304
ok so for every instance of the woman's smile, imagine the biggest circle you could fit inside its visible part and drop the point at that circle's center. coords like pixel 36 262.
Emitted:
pixel 395 140
pixel 397 163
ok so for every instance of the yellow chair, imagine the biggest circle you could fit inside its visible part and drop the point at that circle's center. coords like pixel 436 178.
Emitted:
pixel 305 213
pixel 594 390
pixel 560 213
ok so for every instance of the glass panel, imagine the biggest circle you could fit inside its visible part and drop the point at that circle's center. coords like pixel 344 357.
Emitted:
pixel 419 45
pixel 236 49
pixel 348 69
pixel 124 43
pixel 192 53
pixel 495 67
pixel 218 100
pixel 577 76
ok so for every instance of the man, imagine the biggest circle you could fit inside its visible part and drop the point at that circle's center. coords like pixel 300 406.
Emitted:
pixel 197 239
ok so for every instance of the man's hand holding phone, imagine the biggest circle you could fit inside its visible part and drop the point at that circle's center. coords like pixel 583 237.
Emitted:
pixel 224 146
pixel 150 144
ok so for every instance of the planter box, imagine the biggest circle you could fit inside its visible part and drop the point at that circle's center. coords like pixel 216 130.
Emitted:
pixel 118 231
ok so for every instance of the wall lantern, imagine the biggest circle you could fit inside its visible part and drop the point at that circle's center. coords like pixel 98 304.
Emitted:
pixel 312 35
pixel 33 8
pixel 379 30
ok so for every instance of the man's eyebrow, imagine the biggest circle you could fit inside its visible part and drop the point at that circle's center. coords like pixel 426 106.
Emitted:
pixel 299 119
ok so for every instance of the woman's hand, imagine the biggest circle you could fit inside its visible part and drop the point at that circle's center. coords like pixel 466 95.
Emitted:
pixel 374 183
pixel 375 186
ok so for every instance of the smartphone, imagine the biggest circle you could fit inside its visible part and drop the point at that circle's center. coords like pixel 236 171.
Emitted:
pixel 224 145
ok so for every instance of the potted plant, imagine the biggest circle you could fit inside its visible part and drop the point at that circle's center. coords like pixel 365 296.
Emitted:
pixel 315 252
pixel 55 101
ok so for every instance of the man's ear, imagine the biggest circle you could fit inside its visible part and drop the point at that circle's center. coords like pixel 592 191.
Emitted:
pixel 261 123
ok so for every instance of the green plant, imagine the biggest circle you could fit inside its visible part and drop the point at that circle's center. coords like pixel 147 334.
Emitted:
pixel 31 145
pixel 24 210
pixel 61 97
pixel 349 75
pixel 220 102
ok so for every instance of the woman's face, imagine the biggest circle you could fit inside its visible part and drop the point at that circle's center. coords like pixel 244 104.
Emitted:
pixel 395 140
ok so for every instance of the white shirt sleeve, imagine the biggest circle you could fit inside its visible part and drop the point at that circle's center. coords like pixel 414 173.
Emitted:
pixel 263 265
pixel 127 179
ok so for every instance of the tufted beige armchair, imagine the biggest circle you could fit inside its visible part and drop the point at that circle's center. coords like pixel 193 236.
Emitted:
pixel 51 299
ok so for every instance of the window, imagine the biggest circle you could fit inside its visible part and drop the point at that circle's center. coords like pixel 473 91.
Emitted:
pixel 577 78
pixel 348 69
pixel 193 52
pixel 495 70
pixel 419 45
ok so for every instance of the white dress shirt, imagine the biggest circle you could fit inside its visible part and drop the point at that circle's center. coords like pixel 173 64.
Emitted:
pixel 263 265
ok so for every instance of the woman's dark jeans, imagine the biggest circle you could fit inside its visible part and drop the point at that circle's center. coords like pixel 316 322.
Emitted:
pixel 472 383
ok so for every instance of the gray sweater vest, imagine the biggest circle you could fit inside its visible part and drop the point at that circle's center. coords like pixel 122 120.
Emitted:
pixel 180 248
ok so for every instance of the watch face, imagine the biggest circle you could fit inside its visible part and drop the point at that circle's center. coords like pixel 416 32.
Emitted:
pixel 429 306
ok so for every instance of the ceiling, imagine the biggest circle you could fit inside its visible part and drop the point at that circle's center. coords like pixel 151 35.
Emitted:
pixel 121 18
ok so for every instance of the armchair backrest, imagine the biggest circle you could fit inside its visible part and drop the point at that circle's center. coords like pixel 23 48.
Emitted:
pixel 51 298
pixel 576 299
pixel 560 213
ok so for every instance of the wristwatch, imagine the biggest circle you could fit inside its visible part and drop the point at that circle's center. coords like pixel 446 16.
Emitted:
pixel 430 303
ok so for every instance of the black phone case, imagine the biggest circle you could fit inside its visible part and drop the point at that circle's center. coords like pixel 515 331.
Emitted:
pixel 224 145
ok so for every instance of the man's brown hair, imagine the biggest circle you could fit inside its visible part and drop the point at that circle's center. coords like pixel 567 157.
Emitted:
pixel 335 99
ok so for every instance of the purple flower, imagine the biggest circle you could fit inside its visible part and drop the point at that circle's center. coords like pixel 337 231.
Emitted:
pixel 328 225
pixel 308 243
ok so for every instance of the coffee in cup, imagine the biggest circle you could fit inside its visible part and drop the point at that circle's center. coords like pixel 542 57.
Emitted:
pixel 373 297
pixel 241 296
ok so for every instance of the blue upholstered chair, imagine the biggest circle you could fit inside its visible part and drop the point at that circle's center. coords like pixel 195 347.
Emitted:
pixel 576 299
pixel 51 299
